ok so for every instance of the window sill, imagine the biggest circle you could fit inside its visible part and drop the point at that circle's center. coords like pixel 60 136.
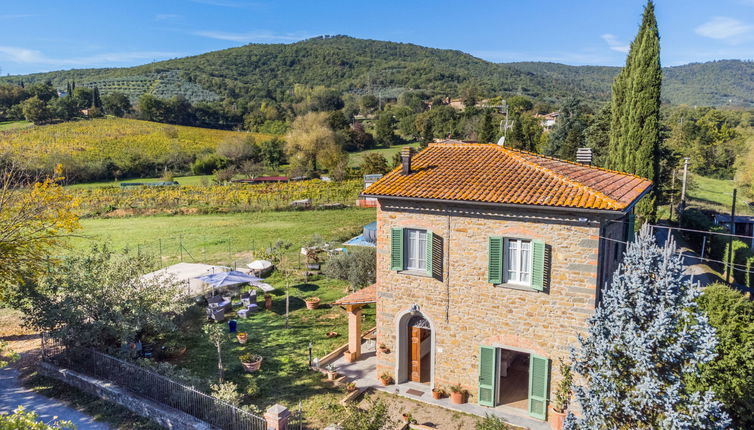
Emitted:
pixel 517 287
pixel 421 273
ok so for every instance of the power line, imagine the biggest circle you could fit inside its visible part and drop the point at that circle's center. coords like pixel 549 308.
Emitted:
pixel 690 256
pixel 719 233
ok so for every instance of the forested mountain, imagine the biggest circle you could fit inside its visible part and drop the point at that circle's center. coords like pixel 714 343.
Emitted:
pixel 270 71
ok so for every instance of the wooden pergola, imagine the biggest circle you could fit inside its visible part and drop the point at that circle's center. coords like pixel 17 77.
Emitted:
pixel 353 304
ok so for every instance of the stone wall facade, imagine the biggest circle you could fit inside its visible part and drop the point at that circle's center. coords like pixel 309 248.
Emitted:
pixel 464 309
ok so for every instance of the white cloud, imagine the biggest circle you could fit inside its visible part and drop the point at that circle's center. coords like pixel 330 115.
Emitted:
pixel 31 56
pixel 225 3
pixel 166 16
pixel 252 36
pixel 614 44
pixel 15 15
pixel 725 29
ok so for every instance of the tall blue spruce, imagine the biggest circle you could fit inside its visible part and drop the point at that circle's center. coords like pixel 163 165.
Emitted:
pixel 647 334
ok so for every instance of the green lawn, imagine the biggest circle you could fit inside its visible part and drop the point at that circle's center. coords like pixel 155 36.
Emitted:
pixel 228 239
pixel 716 194
pixel 354 158
pixel 183 180
pixel 284 376
pixel 14 125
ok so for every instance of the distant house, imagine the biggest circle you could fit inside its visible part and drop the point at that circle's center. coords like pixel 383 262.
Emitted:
pixel 368 202
pixel 744 226
pixel 548 121
pixel 489 262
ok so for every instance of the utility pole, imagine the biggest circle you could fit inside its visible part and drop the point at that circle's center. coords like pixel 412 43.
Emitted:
pixel 685 175
pixel 672 191
pixel 729 268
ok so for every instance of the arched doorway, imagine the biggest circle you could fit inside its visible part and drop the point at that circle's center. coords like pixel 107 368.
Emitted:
pixel 416 352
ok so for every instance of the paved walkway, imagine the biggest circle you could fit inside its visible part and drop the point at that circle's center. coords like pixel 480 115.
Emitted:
pixel 12 395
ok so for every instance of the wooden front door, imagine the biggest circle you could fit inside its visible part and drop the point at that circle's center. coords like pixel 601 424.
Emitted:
pixel 417 336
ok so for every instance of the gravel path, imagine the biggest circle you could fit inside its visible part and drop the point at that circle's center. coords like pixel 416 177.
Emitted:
pixel 12 395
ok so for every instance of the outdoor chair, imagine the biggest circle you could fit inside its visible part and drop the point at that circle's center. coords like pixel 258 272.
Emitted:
pixel 243 313
pixel 217 315
pixel 249 298
pixel 219 302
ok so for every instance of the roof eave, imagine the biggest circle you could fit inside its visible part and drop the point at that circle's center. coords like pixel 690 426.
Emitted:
pixel 515 205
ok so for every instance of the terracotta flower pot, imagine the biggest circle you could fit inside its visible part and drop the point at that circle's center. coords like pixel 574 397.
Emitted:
pixel 437 395
pixel 312 303
pixel 268 301
pixel 458 398
pixel 252 366
pixel 386 381
pixel 242 337
pixel 331 334
pixel 331 376
pixel 557 419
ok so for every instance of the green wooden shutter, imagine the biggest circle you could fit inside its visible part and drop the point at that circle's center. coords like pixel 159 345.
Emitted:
pixel 631 227
pixel 538 265
pixel 538 381
pixel 495 260
pixel 396 249
pixel 487 375
pixel 429 252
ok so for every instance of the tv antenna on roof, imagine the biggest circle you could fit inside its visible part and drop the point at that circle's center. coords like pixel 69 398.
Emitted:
pixel 505 124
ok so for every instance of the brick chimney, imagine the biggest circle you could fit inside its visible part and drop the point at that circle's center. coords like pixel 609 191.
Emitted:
pixel 407 154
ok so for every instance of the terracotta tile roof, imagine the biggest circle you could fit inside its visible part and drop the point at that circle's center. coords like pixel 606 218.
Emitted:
pixel 362 296
pixel 483 172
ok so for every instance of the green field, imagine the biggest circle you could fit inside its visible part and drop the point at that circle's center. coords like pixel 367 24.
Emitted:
pixel 354 158
pixel 229 239
pixel 183 180
pixel 14 125
pixel 716 194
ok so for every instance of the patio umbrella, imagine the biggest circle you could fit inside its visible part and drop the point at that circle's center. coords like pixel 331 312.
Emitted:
pixel 259 265
pixel 225 279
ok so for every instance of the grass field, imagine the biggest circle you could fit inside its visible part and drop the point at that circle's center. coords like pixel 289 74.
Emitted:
pixel 716 194
pixel 231 240
pixel 14 125
pixel 354 158
pixel 183 180
pixel 111 144
pixel 224 238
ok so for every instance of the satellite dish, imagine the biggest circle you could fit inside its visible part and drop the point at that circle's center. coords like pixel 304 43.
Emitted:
pixel 501 141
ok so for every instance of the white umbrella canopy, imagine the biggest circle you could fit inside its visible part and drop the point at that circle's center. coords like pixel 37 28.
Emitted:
pixel 259 265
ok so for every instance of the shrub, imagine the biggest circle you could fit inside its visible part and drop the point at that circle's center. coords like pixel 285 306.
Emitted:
pixel 356 267
pixel 208 164
pixel 731 374
pixel 177 374
pixel 224 175
pixel 227 392
pixel 490 422
pixel 373 163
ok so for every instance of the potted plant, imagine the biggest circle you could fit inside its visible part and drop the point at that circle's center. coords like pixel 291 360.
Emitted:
pixel 438 393
pixel 242 337
pixel 563 392
pixel 331 334
pixel 386 379
pixel 331 372
pixel 251 362
pixel 457 394
pixel 408 418
pixel 312 303
pixel 268 301
pixel 351 387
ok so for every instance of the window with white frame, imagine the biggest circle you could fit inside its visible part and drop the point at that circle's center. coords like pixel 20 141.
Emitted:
pixel 518 261
pixel 415 249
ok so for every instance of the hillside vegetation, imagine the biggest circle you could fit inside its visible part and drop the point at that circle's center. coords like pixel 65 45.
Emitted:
pixel 268 71
pixel 95 148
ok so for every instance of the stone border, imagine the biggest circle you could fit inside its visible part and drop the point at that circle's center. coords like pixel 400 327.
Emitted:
pixel 337 352
pixel 160 414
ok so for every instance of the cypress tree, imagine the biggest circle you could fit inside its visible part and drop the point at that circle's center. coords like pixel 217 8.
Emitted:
pixel 635 122
pixel 487 130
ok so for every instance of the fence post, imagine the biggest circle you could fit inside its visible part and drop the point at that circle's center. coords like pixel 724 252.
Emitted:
pixel 277 417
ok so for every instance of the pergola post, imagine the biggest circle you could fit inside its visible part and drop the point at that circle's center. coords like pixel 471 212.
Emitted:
pixel 354 333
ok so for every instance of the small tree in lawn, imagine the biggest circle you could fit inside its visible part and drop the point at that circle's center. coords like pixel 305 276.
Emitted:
pixel 646 336
pixel 217 337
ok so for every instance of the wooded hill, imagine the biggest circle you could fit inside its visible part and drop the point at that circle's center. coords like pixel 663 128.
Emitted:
pixel 270 71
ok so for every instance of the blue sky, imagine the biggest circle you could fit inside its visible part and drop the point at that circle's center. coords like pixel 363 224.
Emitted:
pixel 42 35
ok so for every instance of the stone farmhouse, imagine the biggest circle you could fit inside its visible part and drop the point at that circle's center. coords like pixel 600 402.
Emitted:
pixel 489 262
